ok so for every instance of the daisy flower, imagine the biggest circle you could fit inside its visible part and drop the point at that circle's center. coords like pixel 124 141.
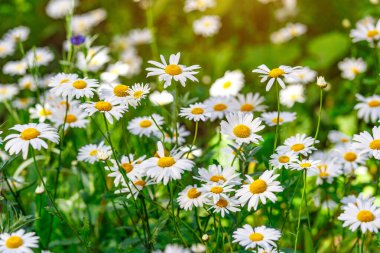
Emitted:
pixel 190 197
pixel 17 34
pixel 299 144
pixel 207 26
pixel 368 108
pixel 218 174
pixel 31 134
pixel 140 36
pixel 74 117
pixel 352 199
pixel 167 72
pixel 195 112
pixel 367 143
pixel 225 206
pixel 350 158
pixel 276 74
pixel 116 91
pixel 248 103
pixel 272 119
pixel 166 167
pixel 338 138
pixel 215 191
pixel 18 242
pixel 15 68
pixel 60 82
pixel 60 8
pixel 27 82
pixel 96 58
pixel 327 171
pixel 7 48
pixel 39 57
pixel 250 238
pixel 173 137
pixel 88 153
pixel 173 248
pixel 282 159
pixel 261 189
pixel 303 75
pixel 133 187
pixel 129 165
pixel 363 214
pixel 198 5
pixel 80 88
pixel 242 128
pixel 109 107
pixel 134 62
pixel 310 166
pixel 20 103
pixel 218 107
pixel 228 85
pixel 270 249
pixel 161 98
pixel 41 112
pixel 138 92
pixel 352 67
pixel 292 94
pixel 7 92
pixel 146 126
pixel 368 31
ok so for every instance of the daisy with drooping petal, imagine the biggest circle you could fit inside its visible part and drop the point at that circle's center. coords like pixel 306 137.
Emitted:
pixel 195 112
pixel 248 103
pixel 80 88
pixel 130 165
pixel 250 238
pixel 292 94
pixel 299 144
pixel 166 167
pixel 167 72
pixel 75 117
pixel 41 113
pixel 282 159
pixel 88 153
pixel 367 143
pixel 207 26
pixel 228 85
pixel 109 107
pixel 225 206
pixel 308 165
pixel 363 214
pixel 368 108
pixel 272 119
pixel 218 174
pixel 31 134
pixel 190 197
pixel 218 107
pixel 242 128
pixel 352 67
pixel 215 191
pixel 276 74
pixel 350 158
pixel 338 138
pixel 261 189
pixel 146 126
pixel 18 242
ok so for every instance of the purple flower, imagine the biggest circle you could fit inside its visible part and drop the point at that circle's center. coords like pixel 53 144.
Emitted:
pixel 77 40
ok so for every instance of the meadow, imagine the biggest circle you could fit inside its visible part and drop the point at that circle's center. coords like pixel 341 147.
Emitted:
pixel 190 126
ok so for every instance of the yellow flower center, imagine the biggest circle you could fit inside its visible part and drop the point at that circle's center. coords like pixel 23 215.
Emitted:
pixel 79 84
pixel 14 242
pixel 255 237
pixel 297 147
pixel 165 161
pixel 344 140
pixel 216 189
pixel 64 81
pixel 242 131
pixel 258 186
pixel 140 183
pixel 29 133
pixel 247 108
pixel 193 193
pixel 173 70
pixel 375 144
pixel 365 216
pixel 350 156
pixel 355 70
pixel 222 203
pixel 121 90
pixel 197 110
pixel 284 159
pixel 71 118
pixel 227 85
pixel 138 94
pixel 323 174
pixel 220 107
pixel 275 121
pixel 28 85
pixel 103 106
pixel 372 33
pixel 277 72
pixel 127 167
pixel 45 112
pixel 93 152
pixel 145 123
pixel 305 165
pixel 217 178
pixel 374 103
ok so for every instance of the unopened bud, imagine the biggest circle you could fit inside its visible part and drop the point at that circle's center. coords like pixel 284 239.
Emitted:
pixel 205 237
pixel 321 82
pixel 346 23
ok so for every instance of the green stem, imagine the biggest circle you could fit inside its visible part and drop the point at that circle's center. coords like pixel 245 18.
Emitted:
pixel 278 118
pixel 195 137
pixel 319 115
pixel 299 215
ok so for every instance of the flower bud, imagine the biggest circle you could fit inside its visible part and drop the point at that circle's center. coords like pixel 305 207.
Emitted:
pixel 321 82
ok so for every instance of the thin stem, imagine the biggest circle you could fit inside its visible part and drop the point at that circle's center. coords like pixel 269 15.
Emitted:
pixel 278 118
pixel 194 139
pixel 319 115
pixel 299 215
